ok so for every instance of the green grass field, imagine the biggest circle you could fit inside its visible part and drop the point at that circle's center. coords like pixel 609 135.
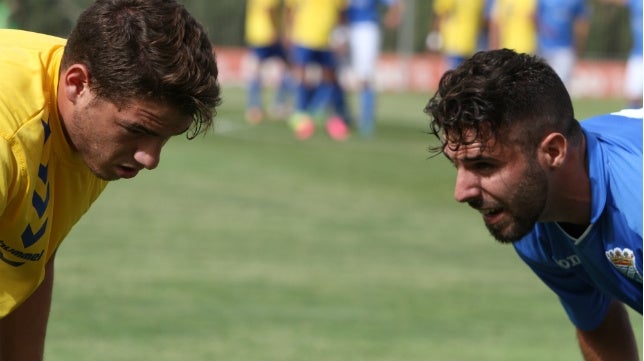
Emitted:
pixel 247 245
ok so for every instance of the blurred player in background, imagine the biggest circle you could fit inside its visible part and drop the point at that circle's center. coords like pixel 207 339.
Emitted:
pixel 363 19
pixel 311 23
pixel 76 114
pixel 265 39
pixel 566 194
pixel 457 24
pixel 513 25
pixel 562 29
pixel 633 77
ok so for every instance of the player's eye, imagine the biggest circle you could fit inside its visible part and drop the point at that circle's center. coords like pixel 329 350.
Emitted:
pixel 136 129
pixel 483 167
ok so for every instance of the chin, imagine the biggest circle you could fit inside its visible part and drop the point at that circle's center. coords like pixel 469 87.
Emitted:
pixel 512 234
pixel 107 178
pixel 104 175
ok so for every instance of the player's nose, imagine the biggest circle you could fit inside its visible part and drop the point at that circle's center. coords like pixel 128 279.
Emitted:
pixel 467 186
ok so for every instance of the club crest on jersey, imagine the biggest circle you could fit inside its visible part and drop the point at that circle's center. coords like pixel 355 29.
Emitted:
pixel 624 261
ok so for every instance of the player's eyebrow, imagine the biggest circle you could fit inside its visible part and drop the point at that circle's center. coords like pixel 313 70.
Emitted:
pixel 475 158
pixel 139 127
pixel 468 159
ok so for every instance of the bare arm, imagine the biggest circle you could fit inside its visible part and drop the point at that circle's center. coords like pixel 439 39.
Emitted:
pixel 613 340
pixel 394 14
pixel 22 332
pixel 494 32
pixel 581 29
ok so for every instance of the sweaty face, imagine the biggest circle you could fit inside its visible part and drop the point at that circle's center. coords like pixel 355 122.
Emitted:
pixel 506 187
pixel 118 142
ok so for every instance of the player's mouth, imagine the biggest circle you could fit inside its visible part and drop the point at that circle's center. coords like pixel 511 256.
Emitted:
pixel 491 215
pixel 126 172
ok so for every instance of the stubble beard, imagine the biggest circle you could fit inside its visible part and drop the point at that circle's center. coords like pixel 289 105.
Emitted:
pixel 524 206
pixel 87 147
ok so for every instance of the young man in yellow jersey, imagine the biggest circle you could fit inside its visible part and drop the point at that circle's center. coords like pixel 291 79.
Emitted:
pixel 76 114
pixel 459 24
pixel 264 38
pixel 311 23
pixel 513 25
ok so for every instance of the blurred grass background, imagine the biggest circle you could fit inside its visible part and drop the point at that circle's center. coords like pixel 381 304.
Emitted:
pixel 249 245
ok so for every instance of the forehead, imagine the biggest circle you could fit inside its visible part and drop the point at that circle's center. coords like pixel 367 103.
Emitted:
pixel 471 147
pixel 158 116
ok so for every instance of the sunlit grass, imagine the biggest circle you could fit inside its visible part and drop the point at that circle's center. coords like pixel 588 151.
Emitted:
pixel 250 245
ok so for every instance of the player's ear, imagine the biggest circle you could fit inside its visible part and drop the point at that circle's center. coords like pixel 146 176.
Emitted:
pixel 552 150
pixel 75 82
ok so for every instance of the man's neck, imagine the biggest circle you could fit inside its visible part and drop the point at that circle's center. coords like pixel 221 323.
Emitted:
pixel 573 230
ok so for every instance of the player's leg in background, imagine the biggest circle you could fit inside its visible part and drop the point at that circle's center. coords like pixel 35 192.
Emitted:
pixel 286 86
pixel 633 81
pixel 254 112
pixel 365 48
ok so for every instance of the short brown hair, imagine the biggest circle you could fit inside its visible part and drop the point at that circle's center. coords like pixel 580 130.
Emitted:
pixel 147 49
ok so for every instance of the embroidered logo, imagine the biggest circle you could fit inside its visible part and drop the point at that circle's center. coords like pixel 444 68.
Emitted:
pixel 624 261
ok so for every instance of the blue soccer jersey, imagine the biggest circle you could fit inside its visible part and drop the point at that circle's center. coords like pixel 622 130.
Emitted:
pixel 365 10
pixel 556 19
pixel 604 263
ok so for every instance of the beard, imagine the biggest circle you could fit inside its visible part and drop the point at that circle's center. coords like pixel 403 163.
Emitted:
pixel 524 206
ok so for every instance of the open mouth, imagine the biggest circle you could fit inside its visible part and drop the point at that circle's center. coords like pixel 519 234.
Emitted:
pixel 127 172
pixel 490 211
pixel 491 215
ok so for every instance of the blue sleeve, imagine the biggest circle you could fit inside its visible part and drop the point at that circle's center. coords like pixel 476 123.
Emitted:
pixel 620 137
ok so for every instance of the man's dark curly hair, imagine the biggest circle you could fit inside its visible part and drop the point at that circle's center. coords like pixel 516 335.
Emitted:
pixel 147 50
pixel 503 96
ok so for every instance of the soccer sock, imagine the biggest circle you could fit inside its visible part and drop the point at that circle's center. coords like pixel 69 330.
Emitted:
pixel 321 98
pixel 339 103
pixel 254 94
pixel 284 90
pixel 301 97
pixel 367 110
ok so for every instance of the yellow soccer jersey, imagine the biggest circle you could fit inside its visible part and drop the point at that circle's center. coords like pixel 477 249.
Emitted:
pixel 260 25
pixel 44 186
pixel 516 21
pixel 460 25
pixel 314 20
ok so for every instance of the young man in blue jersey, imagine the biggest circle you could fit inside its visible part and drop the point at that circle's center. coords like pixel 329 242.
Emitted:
pixel 562 29
pixel 566 194
pixel 363 19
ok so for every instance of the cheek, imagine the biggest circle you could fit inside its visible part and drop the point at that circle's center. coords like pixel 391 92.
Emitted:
pixel 502 185
pixel 104 137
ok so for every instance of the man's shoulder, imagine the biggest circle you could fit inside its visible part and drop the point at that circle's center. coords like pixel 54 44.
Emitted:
pixel 28 68
pixel 28 39
pixel 624 126
pixel 631 115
